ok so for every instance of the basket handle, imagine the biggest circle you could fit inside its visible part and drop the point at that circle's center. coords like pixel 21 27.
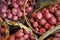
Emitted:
pixel 49 32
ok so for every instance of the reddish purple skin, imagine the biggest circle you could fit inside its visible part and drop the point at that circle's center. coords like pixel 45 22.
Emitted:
pixel 42 21
pixel 9 16
pixel 19 34
pixel 52 20
pixel 15 5
pixel 19 14
pixel 15 18
pixel 26 36
pixel 35 24
pixel 37 29
pixel 29 9
pixel 46 26
pixel 12 37
pixel 42 30
pixel 21 3
pixel 47 15
pixel 39 15
pixel 14 11
pixel 52 9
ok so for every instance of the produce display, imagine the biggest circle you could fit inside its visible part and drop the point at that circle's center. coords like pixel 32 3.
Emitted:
pixel 29 20
pixel 21 34
pixel 46 19
pixel 13 9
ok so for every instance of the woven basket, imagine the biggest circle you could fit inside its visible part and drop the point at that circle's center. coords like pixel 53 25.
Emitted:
pixel 6 27
pixel 42 5
pixel 16 24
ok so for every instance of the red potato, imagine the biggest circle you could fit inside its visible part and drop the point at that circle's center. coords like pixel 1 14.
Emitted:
pixel 19 34
pixel 46 11
pixel 52 20
pixel 42 30
pixel 12 37
pixel 51 26
pixel 57 13
pixel 19 14
pixel 43 10
pixel 47 25
pixel 21 38
pixel 21 2
pixel 8 2
pixel 33 15
pixel 35 24
pixel 3 10
pixel 42 21
pixel 15 18
pixel 47 15
pixel 58 18
pixel 29 9
pixel 9 16
pixel 52 9
pixel 37 29
pixel 39 15
pixel 26 36
pixel 14 11
pixel 15 5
